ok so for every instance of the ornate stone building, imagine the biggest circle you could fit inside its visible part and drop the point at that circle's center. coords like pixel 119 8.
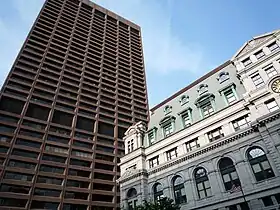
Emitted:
pixel 215 144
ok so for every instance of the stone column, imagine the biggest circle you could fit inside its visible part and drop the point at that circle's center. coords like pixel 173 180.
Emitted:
pixel 244 171
pixel 189 187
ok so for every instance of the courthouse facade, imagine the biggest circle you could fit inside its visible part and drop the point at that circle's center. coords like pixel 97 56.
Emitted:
pixel 215 144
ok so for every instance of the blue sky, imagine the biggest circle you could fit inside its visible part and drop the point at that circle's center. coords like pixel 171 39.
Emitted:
pixel 182 39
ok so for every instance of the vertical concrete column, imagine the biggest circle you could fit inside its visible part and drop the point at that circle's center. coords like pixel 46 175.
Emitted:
pixel 215 179
pixel 189 186
pixel 276 65
pixel 266 51
pixel 227 129
pixel 253 58
pixel 248 83
pixel 263 75
pixel 244 171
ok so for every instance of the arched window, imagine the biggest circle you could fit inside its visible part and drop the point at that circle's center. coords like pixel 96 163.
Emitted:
pixel 158 191
pixel 229 174
pixel 203 88
pixel 184 99
pixel 167 109
pixel 260 164
pixel 131 193
pixel 179 190
pixel 202 183
pixel 223 76
pixel 131 197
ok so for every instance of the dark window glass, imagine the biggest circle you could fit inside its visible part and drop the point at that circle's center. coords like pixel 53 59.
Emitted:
pixel 202 183
pixel 158 192
pixel 80 163
pixel 18 176
pixel 44 205
pixel 28 143
pixel 74 207
pixel 14 189
pixel 54 158
pixel 277 197
pixel 260 164
pixel 179 190
pixel 25 153
pixel 3 149
pixel 49 180
pixel 82 144
pixel 267 201
pixel 76 195
pixel 51 169
pixel 80 184
pixel 12 202
pixel 229 174
pixel 58 139
pixel 74 172
pixel 47 192
pixel 20 164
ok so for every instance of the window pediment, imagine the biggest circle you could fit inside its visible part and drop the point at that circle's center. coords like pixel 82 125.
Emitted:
pixel 185 111
pixel 166 120
pixel 204 98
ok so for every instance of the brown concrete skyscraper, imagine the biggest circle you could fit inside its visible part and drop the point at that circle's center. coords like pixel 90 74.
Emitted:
pixel 77 84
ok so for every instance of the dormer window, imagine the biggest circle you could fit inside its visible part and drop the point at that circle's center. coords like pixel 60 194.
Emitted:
pixel 186 117
pixel 152 135
pixel 223 76
pixel 205 104
pixel 247 62
pixel 167 109
pixel 259 54
pixel 272 47
pixel 168 125
pixel 203 88
pixel 184 99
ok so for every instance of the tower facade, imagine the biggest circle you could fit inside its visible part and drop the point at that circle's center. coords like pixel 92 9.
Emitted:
pixel 76 86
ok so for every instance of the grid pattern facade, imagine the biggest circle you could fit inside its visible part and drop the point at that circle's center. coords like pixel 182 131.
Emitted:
pixel 76 86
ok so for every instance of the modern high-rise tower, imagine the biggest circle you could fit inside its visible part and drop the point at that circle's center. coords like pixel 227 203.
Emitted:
pixel 76 86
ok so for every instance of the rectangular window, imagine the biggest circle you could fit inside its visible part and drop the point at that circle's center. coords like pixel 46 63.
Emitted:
pixel 215 134
pixel 171 154
pixel 168 129
pixel 131 167
pixel 151 137
pixel 267 201
pixel 240 123
pixel 230 96
pixel 259 54
pixel 247 62
pixel 270 71
pixel 186 120
pixel 130 145
pixel 258 81
pixel 154 162
pixel 207 109
pixel 272 105
pixel 193 144
pixel 272 47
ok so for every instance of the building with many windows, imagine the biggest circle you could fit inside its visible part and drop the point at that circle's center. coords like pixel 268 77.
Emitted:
pixel 76 86
pixel 215 144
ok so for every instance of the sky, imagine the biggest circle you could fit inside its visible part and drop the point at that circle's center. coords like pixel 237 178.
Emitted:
pixel 182 39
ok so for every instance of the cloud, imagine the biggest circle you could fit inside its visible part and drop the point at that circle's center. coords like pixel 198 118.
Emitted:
pixel 164 51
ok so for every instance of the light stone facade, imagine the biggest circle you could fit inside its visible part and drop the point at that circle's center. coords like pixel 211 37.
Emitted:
pixel 232 114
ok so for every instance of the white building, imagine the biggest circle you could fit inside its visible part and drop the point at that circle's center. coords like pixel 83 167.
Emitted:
pixel 216 143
